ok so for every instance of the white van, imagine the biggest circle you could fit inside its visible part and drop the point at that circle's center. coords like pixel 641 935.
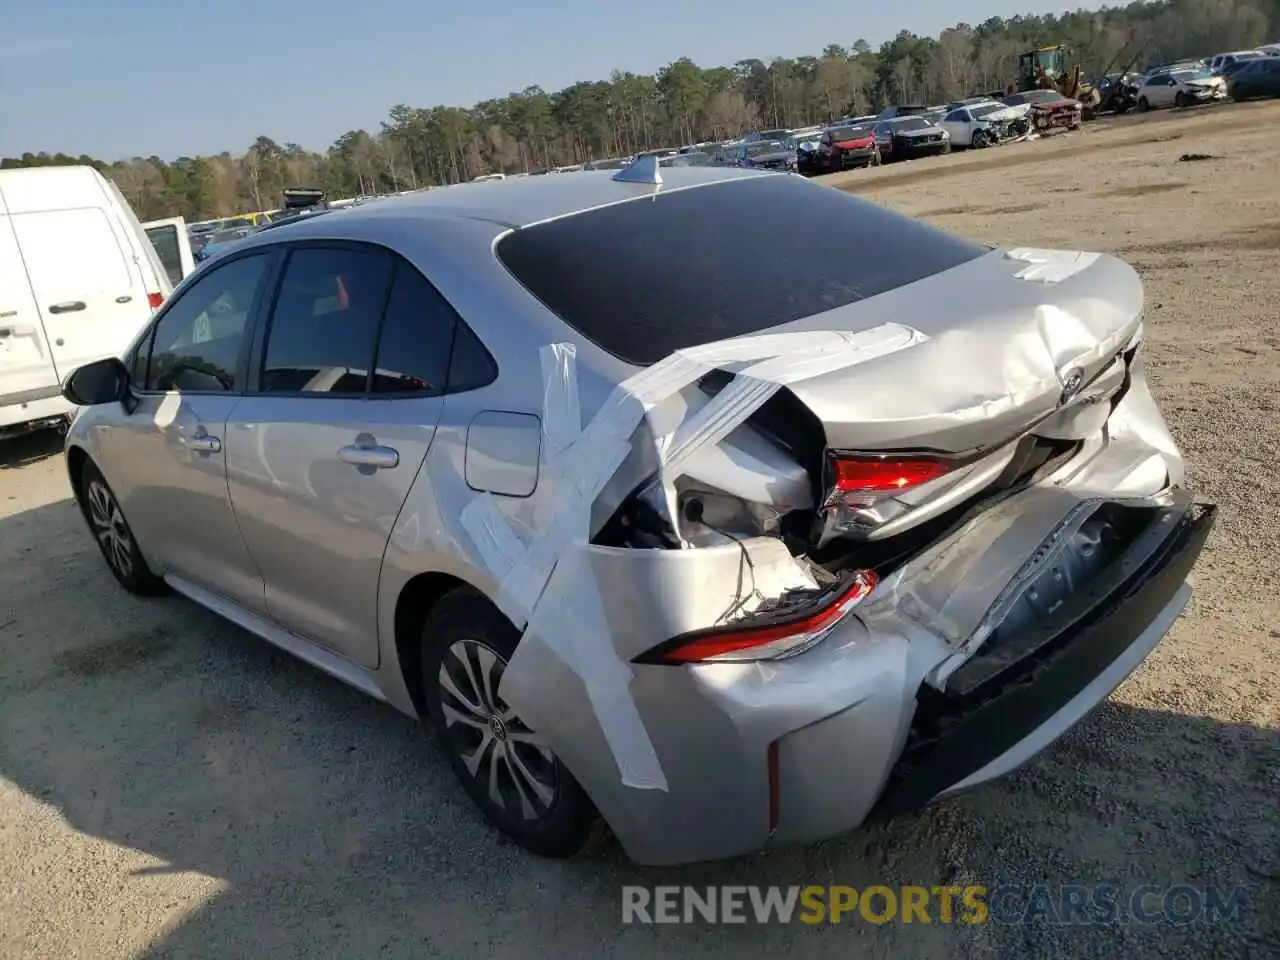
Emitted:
pixel 78 279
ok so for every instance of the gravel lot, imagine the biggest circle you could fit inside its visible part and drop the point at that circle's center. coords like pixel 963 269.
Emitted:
pixel 170 786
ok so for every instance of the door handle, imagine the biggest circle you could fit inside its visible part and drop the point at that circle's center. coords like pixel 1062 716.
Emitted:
pixel 67 306
pixel 204 444
pixel 384 458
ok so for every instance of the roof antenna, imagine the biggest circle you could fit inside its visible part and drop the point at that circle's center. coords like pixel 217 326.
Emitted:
pixel 643 170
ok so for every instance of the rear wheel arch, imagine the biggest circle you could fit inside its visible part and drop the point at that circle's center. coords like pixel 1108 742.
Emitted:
pixel 416 600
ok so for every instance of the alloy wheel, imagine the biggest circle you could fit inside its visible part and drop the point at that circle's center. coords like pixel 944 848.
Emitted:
pixel 505 757
pixel 110 528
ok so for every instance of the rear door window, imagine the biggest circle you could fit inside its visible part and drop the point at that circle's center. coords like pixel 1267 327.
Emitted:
pixel 642 279
pixel 324 326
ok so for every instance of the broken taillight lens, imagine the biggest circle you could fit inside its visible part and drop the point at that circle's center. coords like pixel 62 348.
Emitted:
pixel 861 489
pixel 768 636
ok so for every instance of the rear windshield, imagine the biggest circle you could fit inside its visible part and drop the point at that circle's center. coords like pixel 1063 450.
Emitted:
pixel 911 123
pixel 841 134
pixel 644 278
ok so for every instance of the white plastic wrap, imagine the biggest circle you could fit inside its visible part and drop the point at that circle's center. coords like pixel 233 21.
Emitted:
pixel 546 583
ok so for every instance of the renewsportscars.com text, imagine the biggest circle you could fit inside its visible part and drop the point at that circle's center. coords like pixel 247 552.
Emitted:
pixel 973 904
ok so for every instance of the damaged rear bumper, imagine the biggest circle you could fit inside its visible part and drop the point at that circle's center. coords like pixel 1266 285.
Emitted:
pixel 1014 698
pixel 867 724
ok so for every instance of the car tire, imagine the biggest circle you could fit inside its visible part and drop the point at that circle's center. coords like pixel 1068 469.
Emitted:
pixel 523 789
pixel 114 536
pixel 1179 100
pixel 978 140
pixel 875 160
pixel 1143 105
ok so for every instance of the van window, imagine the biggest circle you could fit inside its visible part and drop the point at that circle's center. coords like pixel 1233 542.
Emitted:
pixel 165 240
pixel 69 253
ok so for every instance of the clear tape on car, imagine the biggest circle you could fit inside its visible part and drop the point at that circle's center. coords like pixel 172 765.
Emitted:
pixel 542 565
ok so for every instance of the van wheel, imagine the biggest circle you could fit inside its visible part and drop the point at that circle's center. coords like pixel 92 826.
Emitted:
pixel 505 767
pixel 115 538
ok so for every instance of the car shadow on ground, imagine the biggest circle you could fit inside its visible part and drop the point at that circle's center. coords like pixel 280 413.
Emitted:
pixel 29 448
pixel 333 827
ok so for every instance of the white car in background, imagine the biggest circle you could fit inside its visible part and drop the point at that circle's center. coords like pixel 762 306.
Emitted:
pixel 982 124
pixel 1180 88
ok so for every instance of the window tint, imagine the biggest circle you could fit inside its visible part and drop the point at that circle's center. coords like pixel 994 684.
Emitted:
pixel 642 279
pixel 326 316
pixel 956 116
pixel 417 335
pixel 165 241
pixel 197 341
pixel 471 366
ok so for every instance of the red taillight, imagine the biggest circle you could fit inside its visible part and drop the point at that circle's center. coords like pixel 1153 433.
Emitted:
pixel 155 299
pixel 884 474
pixel 770 637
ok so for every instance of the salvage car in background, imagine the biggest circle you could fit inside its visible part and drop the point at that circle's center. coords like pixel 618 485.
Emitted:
pixel 730 616
pixel 1257 78
pixel 761 155
pixel 984 124
pixel 1048 109
pixel 841 147
pixel 908 138
pixel 1180 88
pixel 806 144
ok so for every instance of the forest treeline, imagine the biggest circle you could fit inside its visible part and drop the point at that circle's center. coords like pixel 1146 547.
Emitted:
pixel 682 102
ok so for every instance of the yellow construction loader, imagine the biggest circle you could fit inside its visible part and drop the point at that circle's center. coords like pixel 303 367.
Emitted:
pixel 1045 68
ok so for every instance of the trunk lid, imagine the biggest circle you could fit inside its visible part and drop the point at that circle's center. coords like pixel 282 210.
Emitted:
pixel 1007 332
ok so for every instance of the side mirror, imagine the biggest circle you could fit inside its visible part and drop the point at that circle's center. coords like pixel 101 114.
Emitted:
pixel 103 381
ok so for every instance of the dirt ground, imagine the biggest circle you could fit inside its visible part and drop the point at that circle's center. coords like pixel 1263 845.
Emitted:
pixel 170 786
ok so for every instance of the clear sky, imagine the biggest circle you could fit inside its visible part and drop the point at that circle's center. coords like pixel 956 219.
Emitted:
pixel 118 78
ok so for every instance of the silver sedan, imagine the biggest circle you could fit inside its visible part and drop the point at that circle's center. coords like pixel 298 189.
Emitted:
pixel 727 544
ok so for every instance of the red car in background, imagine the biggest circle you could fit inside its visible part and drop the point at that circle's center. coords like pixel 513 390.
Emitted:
pixel 1049 109
pixel 845 146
